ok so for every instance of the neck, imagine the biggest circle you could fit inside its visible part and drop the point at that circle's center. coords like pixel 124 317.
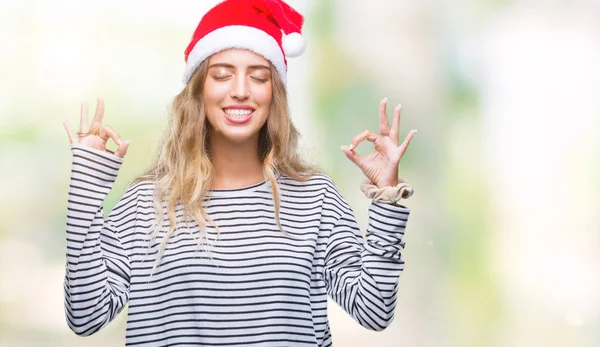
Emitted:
pixel 236 165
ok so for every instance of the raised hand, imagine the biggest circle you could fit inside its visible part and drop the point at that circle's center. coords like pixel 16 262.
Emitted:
pixel 381 165
pixel 95 135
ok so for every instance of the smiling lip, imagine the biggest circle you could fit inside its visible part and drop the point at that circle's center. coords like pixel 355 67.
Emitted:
pixel 238 120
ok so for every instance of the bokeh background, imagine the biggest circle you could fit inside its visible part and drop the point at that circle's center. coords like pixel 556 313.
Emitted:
pixel 503 244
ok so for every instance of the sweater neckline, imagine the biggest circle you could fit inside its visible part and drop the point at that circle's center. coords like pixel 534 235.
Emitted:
pixel 264 185
pixel 249 188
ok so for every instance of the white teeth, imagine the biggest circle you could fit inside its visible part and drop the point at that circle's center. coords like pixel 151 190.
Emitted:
pixel 237 113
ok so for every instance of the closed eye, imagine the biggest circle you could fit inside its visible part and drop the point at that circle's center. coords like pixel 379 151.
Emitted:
pixel 261 80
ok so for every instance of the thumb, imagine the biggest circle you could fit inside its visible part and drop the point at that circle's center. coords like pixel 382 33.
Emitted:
pixel 122 149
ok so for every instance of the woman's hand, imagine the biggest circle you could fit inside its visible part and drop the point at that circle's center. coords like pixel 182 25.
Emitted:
pixel 95 135
pixel 381 165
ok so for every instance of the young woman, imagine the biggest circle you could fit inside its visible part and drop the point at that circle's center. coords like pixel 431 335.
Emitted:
pixel 230 238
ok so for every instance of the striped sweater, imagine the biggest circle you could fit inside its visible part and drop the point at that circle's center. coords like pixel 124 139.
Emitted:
pixel 255 286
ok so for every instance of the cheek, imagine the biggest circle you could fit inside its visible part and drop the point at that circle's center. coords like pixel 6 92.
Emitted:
pixel 214 94
pixel 264 95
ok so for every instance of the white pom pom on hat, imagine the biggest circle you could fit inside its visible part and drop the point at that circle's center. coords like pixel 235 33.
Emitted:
pixel 256 25
pixel 294 45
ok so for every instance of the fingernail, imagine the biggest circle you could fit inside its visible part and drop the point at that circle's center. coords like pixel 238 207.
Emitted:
pixel 342 147
pixel 385 99
pixel 350 147
pixel 119 142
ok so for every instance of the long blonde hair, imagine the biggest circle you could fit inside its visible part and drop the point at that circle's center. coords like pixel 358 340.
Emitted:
pixel 183 172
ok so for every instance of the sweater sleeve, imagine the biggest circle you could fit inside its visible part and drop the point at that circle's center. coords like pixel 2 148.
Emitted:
pixel 97 265
pixel 362 277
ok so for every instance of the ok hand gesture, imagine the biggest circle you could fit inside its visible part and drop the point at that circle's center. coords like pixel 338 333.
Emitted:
pixel 381 165
pixel 95 135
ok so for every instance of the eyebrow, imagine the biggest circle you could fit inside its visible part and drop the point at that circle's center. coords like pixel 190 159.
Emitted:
pixel 229 66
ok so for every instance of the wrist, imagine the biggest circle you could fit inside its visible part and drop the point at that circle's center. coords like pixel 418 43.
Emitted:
pixel 386 184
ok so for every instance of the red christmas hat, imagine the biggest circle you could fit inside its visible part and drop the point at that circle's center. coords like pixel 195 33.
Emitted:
pixel 255 25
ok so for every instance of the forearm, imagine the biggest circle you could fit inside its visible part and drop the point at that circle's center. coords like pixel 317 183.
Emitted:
pixel 91 299
pixel 365 276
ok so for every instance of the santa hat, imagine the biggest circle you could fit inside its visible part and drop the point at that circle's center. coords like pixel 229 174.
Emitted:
pixel 255 25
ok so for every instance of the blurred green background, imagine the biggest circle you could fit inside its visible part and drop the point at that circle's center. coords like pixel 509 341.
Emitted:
pixel 503 244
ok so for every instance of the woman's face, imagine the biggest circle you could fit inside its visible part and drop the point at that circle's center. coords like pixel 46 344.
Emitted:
pixel 237 95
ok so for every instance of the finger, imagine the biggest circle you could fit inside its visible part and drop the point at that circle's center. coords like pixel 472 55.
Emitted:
pixel 406 141
pixel 365 135
pixel 396 125
pixel 384 126
pixel 97 122
pixel 84 124
pixel 352 155
pixel 122 149
pixel 110 133
pixel 72 137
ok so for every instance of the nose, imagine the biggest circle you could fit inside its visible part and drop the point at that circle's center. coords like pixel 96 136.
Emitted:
pixel 240 89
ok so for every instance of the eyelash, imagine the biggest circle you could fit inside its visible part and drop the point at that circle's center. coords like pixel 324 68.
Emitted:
pixel 221 78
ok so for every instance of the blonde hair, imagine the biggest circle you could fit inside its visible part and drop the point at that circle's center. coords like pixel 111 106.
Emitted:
pixel 183 172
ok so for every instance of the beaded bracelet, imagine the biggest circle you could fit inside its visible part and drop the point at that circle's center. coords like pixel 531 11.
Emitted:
pixel 389 195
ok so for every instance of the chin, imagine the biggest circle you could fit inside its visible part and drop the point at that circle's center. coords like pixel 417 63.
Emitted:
pixel 239 136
